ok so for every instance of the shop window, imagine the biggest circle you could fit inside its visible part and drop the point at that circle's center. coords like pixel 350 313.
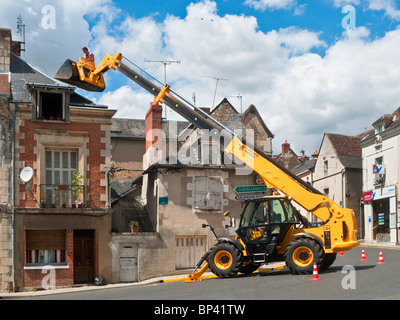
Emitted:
pixel 50 106
pixel 45 247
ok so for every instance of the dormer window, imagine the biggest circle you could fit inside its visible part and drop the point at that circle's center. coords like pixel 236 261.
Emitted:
pixel 50 106
pixel 51 102
pixel 382 123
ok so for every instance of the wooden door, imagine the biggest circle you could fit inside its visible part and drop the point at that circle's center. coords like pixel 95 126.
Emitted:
pixel 189 250
pixel 83 256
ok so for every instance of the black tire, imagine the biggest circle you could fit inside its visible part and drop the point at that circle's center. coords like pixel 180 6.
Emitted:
pixel 249 268
pixel 225 260
pixel 301 254
pixel 327 260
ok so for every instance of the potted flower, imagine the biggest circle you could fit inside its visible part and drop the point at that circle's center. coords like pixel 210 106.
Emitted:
pixel 134 225
pixel 77 187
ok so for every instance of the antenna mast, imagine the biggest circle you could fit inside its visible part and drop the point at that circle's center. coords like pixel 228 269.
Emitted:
pixel 216 86
pixel 165 63
pixel 241 100
pixel 21 31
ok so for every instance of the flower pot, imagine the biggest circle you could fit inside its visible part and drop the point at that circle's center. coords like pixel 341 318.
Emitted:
pixel 134 229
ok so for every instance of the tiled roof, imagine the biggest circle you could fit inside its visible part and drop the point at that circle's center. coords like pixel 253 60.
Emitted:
pixel 22 74
pixel 136 128
pixel 345 145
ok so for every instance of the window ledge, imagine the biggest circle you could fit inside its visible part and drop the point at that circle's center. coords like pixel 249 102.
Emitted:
pixel 40 267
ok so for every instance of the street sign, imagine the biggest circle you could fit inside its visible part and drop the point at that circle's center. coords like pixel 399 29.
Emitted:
pixel 248 189
pixel 243 197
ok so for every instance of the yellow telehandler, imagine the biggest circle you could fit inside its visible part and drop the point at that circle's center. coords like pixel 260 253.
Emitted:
pixel 270 229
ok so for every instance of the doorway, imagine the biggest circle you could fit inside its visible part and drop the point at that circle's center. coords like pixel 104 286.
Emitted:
pixel 189 250
pixel 84 261
pixel 381 220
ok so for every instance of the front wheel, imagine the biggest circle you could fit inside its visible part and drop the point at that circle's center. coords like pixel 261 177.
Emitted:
pixel 301 254
pixel 225 260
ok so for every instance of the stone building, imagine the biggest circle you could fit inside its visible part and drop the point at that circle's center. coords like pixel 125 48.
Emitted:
pixel 56 156
pixel 184 189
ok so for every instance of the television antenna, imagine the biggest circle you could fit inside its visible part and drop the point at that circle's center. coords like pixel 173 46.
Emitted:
pixel 21 30
pixel 165 63
pixel 216 86
pixel 240 99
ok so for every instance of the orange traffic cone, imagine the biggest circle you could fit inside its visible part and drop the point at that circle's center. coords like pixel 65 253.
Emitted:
pixel 315 273
pixel 363 258
pixel 381 261
pixel 341 254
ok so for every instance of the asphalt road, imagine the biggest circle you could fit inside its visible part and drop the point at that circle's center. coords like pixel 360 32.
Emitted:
pixel 348 278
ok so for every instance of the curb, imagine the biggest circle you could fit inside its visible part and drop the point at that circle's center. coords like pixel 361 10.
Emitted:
pixel 164 279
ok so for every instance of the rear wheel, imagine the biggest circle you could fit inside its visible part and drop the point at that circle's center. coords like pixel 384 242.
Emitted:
pixel 225 260
pixel 328 260
pixel 301 254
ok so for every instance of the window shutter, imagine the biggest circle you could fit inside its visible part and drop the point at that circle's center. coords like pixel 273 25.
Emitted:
pixel 45 240
pixel 208 193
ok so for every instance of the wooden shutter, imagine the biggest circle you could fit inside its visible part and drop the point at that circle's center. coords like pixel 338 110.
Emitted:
pixel 208 193
pixel 45 240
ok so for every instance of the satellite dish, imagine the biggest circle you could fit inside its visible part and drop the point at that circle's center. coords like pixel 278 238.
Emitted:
pixel 26 174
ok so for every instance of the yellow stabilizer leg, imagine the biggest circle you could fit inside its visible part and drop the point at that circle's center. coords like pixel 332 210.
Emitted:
pixel 195 275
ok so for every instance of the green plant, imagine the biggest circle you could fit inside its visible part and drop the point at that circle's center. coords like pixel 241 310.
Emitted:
pixel 77 187
pixel 133 224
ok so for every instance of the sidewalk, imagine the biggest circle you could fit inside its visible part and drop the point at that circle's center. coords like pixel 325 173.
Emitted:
pixel 163 279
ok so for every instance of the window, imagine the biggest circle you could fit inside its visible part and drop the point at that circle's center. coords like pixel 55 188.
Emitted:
pixel 379 172
pixel 45 247
pixel 208 193
pixel 326 166
pixel 268 211
pixel 60 165
pixel 50 106
pixel 58 190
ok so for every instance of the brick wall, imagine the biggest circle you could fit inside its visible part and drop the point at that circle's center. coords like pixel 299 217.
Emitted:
pixel 5 87
pixel 33 278
pixel 95 159
pixel 153 124
pixel 5 49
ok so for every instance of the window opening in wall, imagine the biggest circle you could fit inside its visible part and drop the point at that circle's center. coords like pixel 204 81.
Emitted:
pixel 58 189
pixel 50 106
pixel 326 166
pixel 45 247
pixel 379 172
pixel 208 193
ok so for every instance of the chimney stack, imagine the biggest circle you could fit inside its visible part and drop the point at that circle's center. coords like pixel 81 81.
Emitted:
pixel 5 49
pixel 285 147
pixel 154 126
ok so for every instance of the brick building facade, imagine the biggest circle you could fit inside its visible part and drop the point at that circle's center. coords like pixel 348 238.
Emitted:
pixel 56 154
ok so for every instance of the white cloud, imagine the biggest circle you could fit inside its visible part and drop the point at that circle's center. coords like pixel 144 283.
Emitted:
pixel 390 7
pixel 270 4
pixel 342 3
pixel 127 101
pixel 47 48
pixel 300 95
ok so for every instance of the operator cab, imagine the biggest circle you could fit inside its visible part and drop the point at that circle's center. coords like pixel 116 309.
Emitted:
pixel 264 223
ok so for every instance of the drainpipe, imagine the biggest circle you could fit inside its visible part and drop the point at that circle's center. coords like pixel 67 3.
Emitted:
pixel 343 188
pixel 13 193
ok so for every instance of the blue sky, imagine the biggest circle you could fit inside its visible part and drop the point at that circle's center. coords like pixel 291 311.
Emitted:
pixel 290 58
